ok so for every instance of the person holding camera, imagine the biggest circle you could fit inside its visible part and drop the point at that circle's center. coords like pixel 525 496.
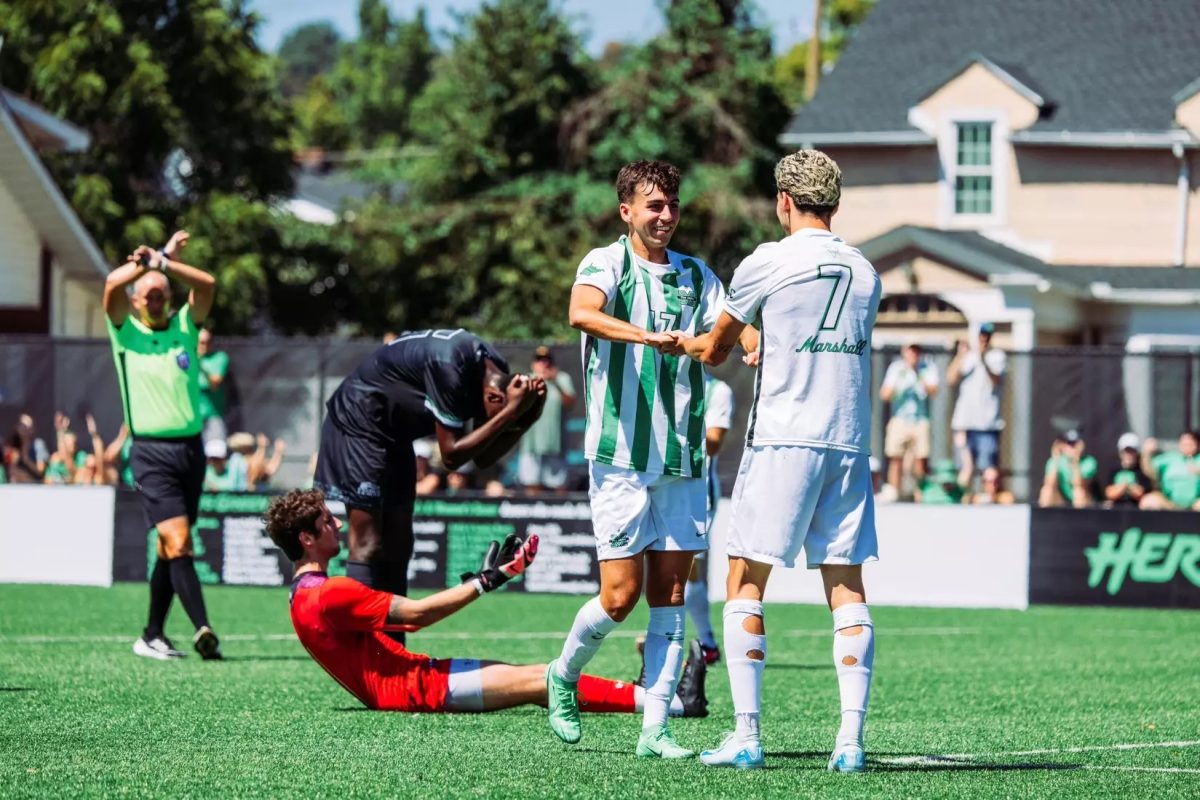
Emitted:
pixel 1070 474
pixel 158 370
pixel 978 373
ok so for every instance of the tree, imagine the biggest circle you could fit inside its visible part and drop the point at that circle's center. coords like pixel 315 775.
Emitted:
pixel 379 76
pixel 181 106
pixel 305 53
pixel 841 17
pixel 491 113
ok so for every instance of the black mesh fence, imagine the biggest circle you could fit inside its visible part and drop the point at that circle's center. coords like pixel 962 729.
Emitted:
pixel 279 387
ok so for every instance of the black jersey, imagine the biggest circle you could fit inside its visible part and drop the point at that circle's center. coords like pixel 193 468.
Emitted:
pixel 399 390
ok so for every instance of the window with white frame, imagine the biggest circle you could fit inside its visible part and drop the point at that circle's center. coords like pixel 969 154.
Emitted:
pixel 973 168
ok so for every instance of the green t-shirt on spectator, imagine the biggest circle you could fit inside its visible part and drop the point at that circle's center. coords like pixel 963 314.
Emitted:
pixel 212 401
pixel 1062 465
pixel 56 470
pixel 939 494
pixel 1179 477
pixel 233 479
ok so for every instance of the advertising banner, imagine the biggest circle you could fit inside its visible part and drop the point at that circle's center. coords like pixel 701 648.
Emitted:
pixel 451 535
pixel 1115 558
pixel 56 534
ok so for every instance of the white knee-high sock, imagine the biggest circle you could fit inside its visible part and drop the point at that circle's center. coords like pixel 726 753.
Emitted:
pixel 591 625
pixel 695 600
pixel 664 657
pixel 745 657
pixel 639 702
pixel 853 656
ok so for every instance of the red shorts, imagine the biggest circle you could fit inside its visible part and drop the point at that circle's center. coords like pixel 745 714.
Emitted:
pixel 418 684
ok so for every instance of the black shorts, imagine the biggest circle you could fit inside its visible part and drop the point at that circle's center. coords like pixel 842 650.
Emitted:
pixel 365 473
pixel 169 473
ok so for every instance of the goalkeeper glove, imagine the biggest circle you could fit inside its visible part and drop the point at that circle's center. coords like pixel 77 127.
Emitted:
pixel 502 562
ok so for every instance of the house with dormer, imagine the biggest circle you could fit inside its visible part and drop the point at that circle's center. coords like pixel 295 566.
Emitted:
pixel 1031 163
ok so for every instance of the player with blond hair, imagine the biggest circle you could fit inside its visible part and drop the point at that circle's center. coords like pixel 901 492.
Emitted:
pixel 805 479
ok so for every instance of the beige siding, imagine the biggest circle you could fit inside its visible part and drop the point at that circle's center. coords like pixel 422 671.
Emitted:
pixel 77 306
pixel 1100 206
pixel 978 88
pixel 1187 114
pixel 20 254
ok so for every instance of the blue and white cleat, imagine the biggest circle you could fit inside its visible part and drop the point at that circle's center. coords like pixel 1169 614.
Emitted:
pixel 848 758
pixel 735 752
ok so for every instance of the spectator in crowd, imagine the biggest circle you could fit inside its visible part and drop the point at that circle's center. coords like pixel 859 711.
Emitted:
pixel 540 463
pixel 1175 473
pixel 979 375
pixel 69 464
pixel 222 473
pixel 25 455
pixel 1070 473
pixel 118 467
pixel 992 491
pixel 941 486
pixel 1128 485
pixel 908 384
pixel 428 478
pixel 214 367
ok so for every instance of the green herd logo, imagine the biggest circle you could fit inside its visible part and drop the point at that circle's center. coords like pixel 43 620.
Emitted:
pixel 687 297
pixel 591 270
pixel 1144 557
pixel 619 540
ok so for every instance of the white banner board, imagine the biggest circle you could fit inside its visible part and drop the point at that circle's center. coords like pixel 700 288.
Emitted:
pixel 936 556
pixel 56 534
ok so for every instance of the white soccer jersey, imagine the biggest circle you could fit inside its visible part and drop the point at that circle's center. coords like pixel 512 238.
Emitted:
pixel 813 298
pixel 645 411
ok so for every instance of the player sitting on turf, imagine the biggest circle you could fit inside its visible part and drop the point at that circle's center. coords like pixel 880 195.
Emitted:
pixel 342 624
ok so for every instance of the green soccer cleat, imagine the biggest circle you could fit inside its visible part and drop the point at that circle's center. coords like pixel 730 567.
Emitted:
pixel 657 742
pixel 562 702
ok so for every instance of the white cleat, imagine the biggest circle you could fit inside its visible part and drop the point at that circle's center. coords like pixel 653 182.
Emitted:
pixel 848 758
pixel 736 752
pixel 159 648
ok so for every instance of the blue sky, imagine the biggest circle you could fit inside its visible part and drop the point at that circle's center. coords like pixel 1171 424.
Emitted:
pixel 607 20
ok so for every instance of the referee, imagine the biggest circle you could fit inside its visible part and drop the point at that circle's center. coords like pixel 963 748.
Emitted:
pixel 158 369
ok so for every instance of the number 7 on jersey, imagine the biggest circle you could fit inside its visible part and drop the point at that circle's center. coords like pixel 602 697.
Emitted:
pixel 842 277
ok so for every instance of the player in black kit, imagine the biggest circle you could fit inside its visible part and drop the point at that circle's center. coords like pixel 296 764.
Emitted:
pixel 448 382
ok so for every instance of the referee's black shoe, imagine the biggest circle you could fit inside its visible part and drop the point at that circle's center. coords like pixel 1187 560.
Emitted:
pixel 691 683
pixel 207 644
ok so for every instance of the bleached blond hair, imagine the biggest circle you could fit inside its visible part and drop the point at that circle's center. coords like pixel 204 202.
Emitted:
pixel 811 178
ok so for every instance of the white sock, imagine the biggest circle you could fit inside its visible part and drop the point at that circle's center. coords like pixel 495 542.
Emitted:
pixel 745 672
pixel 695 600
pixel 639 702
pixel 591 625
pixel 853 657
pixel 664 658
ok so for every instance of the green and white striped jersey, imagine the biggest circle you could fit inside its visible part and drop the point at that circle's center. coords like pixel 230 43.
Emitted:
pixel 645 411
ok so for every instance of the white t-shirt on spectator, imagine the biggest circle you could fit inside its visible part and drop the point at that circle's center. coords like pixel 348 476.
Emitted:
pixel 978 406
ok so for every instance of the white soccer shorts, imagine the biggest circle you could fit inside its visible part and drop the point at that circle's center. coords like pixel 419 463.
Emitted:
pixel 637 511
pixel 789 497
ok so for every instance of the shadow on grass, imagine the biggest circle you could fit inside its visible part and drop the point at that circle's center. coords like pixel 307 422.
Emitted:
pixel 267 658
pixel 17 689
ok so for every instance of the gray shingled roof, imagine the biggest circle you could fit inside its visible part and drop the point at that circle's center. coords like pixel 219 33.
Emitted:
pixel 986 257
pixel 1104 65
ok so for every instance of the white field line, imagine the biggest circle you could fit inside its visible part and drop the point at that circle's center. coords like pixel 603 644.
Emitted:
pixel 455 635
pixel 970 759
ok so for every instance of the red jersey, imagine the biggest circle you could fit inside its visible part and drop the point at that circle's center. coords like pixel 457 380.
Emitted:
pixel 340 622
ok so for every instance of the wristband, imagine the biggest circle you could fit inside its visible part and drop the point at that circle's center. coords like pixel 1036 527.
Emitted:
pixel 166 260
pixel 478 584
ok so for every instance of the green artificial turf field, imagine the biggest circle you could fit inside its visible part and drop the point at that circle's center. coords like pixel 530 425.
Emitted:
pixel 1051 702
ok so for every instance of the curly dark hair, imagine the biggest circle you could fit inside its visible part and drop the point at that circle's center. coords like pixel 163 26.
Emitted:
pixel 291 514
pixel 657 174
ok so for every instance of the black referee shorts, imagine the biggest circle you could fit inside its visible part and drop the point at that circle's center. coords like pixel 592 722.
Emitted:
pixel 365 473
pixel 169 473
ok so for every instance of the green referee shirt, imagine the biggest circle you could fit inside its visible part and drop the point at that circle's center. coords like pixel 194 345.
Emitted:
pixel 159 375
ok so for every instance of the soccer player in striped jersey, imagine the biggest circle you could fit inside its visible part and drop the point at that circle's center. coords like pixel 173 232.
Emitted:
pixel 805 477
pixel 645 441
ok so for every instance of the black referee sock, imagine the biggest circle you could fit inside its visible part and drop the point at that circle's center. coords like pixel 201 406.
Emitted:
pixel 187 586
pixel 161 594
